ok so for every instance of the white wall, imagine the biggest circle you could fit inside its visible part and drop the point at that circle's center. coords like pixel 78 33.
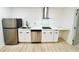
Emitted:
pixel 68 18
pixel 35 13
pixel 31 14
pixel 4 12
pixel 56 15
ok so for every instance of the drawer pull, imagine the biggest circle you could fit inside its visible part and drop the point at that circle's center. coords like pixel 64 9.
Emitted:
pixel 50 32
pixel 44 32
pixel 56 32
pixel 20 32
pixel 27 32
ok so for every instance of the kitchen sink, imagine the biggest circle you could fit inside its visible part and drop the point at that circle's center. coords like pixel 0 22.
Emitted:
pixel 26 27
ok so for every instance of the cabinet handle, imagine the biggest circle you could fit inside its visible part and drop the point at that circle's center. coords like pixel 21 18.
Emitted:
pixel 27 32
pixel 44 32
pixel 20 32
pixel 50 32
pixel 56 32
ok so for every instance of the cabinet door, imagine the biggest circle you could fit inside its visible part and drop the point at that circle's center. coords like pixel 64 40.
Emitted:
pixel 56 35
pixel 24 35
pixel 47 36
pixel 21 36
pixel 27 36
pixel 50 36
pixel 44 36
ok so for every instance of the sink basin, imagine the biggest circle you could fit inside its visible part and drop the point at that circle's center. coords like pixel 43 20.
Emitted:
pixel 26 27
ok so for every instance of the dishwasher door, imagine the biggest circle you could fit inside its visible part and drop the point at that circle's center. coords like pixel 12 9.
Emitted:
pixel 36 36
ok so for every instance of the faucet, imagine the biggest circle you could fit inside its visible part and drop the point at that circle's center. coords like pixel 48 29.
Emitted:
pixel 27 23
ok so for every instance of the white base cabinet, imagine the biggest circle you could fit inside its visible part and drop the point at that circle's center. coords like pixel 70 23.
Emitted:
pixel 24 35
pixel 50 35
pixel 47 35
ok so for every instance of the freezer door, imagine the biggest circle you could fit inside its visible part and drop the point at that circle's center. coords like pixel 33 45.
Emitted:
pixel 9 23
pixel 10 36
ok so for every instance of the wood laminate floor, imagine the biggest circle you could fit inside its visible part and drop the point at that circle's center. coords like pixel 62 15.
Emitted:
pixel 40 47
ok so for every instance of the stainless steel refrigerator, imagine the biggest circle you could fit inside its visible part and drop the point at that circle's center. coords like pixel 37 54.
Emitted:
pixel 10 30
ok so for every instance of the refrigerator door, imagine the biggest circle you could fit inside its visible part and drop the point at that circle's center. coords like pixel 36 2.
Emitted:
pixel 10 36
pixel 9 23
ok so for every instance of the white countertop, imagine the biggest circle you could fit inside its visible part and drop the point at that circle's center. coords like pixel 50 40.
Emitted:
pixel 37 28
pixel 60 28
pixel 40 28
